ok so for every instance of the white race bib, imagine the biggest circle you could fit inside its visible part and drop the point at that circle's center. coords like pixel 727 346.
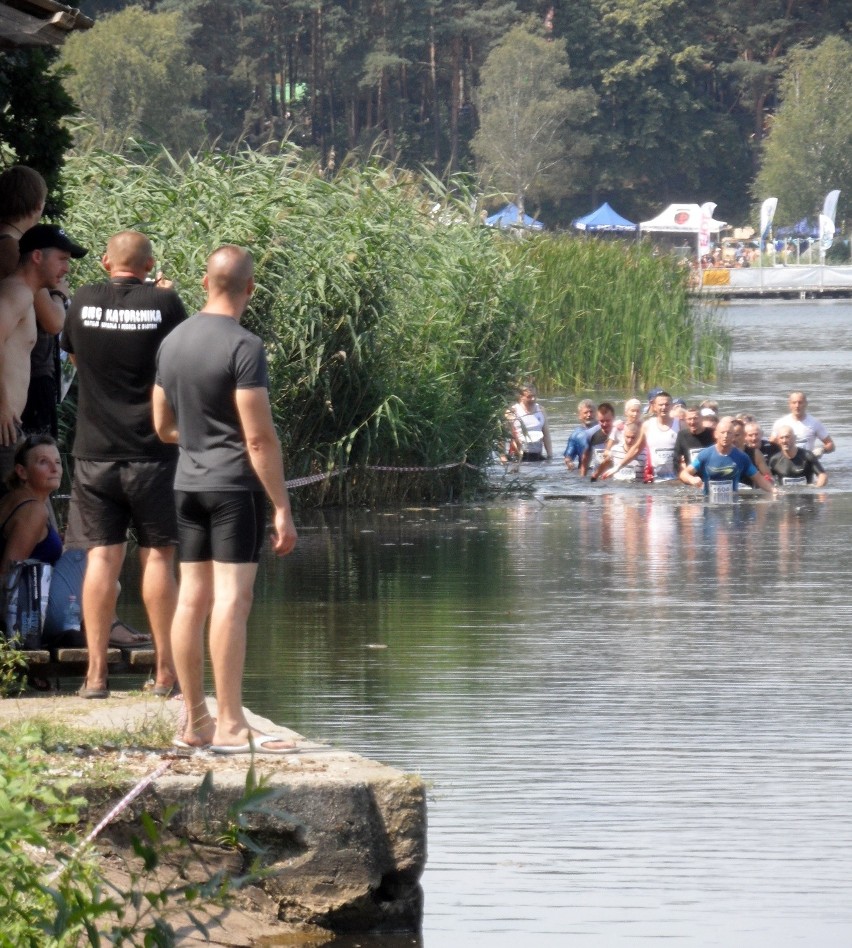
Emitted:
pixel 721 492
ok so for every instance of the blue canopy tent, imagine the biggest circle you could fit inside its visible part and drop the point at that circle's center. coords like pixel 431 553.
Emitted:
pixel 604 219
pixel 508 217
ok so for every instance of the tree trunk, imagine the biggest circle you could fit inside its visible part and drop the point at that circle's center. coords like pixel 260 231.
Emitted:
pixel 436 106
pixel 454 103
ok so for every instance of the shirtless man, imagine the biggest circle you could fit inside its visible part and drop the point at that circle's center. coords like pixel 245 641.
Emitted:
pixel 805 427
pixel 45 253
pixel 23 192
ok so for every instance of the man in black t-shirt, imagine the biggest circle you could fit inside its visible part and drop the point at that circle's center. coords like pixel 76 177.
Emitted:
pixel 792 465
pixel 692 438
pixel 123 473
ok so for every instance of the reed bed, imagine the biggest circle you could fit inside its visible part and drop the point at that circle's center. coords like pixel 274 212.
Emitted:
pixel 395 329
pixel 606 314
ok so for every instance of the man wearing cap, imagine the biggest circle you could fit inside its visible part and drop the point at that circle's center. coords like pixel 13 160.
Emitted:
pixel 45 253
pixel 678 409
pixel 123 473
pixel 806 428
pixel 652 395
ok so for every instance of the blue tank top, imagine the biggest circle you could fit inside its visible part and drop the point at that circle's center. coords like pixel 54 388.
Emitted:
pixel 47 550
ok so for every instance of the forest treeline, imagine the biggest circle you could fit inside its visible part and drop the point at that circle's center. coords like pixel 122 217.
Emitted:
pixel 678 95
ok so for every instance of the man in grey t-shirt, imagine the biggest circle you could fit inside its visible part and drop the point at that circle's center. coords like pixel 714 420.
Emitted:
pixel 216 409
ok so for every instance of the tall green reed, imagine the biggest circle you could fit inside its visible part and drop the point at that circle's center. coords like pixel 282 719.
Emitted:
pixel 611 314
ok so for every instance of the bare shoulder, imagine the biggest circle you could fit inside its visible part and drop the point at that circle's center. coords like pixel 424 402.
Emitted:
pixel 14 292
pixel 16 299
pixel 17 513
pixel 8 255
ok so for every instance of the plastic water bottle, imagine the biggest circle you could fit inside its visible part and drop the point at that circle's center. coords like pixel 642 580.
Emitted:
pixel 72 615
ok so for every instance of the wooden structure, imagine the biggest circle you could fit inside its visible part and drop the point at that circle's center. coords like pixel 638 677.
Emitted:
pixel 38 23
pixel 58 663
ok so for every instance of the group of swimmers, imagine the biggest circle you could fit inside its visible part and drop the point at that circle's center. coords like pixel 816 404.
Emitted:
pixel 665 440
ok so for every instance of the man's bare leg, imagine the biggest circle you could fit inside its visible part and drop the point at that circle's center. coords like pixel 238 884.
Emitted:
pixel 160 594
pixel 233 585
pixel 100 592
pixel 195 598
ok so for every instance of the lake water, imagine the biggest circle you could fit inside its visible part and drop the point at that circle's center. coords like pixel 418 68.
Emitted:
pixel 633 708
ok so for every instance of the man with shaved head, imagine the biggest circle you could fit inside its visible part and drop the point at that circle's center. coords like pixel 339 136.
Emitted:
pixel 722 465
pixel 217 410
pixel 123 473
pixel 794 466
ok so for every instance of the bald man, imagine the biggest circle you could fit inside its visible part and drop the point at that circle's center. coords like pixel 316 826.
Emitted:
pixel 217 410
pixel 123 473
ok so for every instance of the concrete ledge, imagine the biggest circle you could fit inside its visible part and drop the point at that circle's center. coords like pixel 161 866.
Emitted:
pixel 344 837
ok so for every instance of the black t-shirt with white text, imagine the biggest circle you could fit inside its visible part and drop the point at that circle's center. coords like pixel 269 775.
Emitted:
pixel 114 330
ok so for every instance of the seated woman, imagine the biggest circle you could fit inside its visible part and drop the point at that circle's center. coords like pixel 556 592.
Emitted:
pixel 27 533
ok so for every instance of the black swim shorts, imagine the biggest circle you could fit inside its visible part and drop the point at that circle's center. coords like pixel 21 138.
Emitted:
pixel 225 526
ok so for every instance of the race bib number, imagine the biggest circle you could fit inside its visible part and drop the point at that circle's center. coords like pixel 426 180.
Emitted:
pixel 721 492
pixel 664 463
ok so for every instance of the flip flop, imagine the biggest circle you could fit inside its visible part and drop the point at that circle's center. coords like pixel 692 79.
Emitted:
pixel 137 639
pixel 256 746
pixel 183 745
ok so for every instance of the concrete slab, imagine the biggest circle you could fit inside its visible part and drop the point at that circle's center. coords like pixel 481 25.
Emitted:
pixel 343 837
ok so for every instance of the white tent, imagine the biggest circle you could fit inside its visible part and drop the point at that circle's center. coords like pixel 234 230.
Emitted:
pixel 681 219
pixel 687 219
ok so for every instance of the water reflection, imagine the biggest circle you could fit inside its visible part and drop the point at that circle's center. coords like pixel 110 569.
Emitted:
pixel 632 708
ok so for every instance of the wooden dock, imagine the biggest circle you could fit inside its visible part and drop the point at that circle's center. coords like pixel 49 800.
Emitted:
pixel 56 664
pixel 792 283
